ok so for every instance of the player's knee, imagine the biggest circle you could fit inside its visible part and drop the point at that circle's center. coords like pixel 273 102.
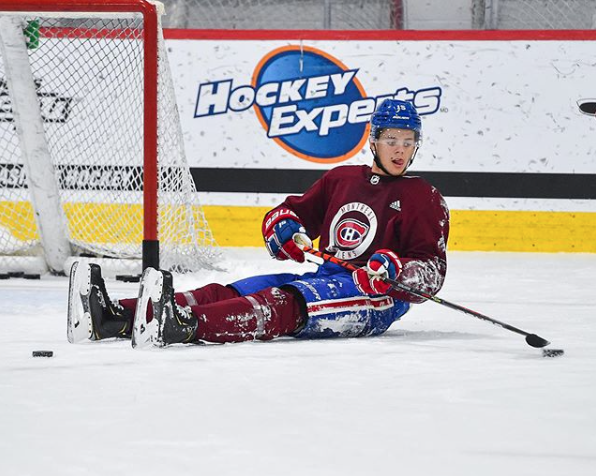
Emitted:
pixel 280 310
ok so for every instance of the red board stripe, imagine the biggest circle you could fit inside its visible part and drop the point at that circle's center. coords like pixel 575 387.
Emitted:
pixel 384 35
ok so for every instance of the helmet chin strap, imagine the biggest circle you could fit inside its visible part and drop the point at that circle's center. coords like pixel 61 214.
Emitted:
pixel 413 156
pixel 378 161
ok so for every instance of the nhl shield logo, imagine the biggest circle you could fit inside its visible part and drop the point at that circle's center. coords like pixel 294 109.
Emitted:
pixel 350 233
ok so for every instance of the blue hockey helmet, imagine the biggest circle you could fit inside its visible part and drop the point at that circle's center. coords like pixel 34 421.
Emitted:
pixel 395 114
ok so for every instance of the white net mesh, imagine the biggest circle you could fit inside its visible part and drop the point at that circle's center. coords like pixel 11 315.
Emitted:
pixel 89 78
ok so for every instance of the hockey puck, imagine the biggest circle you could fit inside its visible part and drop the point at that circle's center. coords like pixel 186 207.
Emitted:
pixel 43 353
pixel 31 276
pixel 552 352
pixel 16 274
pixel 128 278
pixel 4 276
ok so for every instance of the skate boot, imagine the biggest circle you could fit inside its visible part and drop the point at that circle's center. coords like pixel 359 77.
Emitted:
pixel 91 313
pixel 170 323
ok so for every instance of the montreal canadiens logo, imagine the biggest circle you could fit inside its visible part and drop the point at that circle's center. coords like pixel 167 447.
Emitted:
pixel 352 230
pixel 349 233
pixel 310 93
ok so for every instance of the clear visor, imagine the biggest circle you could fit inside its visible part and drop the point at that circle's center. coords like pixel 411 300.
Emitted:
pixel 395 142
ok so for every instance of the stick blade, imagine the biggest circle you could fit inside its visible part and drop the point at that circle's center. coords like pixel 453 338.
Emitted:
pixel 588 106
pixel 536 341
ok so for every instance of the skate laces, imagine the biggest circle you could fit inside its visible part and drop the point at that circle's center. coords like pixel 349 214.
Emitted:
pixel 182 311
pixel 111 306
pixel 104 298
pixel 119 308
pixel 101 296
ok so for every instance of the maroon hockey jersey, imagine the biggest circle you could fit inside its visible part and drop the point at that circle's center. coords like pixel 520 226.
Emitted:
pixel 357 212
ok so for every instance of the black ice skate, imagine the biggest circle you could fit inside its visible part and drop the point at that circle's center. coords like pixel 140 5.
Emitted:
pixel 171 324
pixel 91 313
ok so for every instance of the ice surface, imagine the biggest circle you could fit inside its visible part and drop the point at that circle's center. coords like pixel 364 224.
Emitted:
pixel 441 393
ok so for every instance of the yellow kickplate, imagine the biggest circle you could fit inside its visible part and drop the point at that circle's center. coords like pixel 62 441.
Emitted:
pixel 471 230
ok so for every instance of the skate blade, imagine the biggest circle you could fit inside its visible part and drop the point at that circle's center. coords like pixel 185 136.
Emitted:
pixel 79 326
pixel 144 333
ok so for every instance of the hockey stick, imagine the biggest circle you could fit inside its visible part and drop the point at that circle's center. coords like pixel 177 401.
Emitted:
pixel 532 339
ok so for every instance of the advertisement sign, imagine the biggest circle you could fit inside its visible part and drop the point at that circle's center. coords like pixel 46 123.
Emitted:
pixel 487 106
pixel 308 102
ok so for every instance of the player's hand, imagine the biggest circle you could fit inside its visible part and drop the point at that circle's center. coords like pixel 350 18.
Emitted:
pixel 382 264
pixel 279 227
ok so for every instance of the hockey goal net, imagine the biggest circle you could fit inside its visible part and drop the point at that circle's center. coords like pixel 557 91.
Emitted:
pixel 91 154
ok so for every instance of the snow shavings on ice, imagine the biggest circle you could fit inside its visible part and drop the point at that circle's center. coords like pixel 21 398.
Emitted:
pixel 350 324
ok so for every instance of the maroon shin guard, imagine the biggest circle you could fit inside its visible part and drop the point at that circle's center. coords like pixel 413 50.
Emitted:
pixel 226 317
pixel 264 315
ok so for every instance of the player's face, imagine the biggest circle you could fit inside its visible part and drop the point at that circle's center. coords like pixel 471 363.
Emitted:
pixel 395 148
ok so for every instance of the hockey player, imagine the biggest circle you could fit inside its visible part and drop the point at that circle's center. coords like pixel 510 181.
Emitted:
pixel 377 218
